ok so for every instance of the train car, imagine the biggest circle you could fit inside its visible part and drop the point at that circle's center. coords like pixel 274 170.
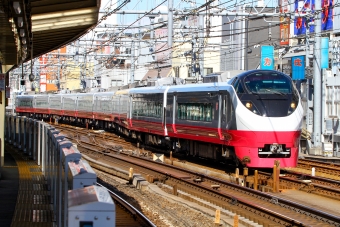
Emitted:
pixel 110 110
pixel 103 106
pixel 24 105
pixel 69 105
pixel 269 116
pixel 56 105
pixel 255 118
pixel 147 106
pixel 121 107
pixel 41 105
pixel 84 105
pixel 198 116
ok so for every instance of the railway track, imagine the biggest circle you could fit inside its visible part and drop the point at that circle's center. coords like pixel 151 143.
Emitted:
pixel 323 169
pixel 126 214
pixel 260 207
pixel 307 183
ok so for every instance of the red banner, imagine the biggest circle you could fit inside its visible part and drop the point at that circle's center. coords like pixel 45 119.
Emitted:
pixel 284 31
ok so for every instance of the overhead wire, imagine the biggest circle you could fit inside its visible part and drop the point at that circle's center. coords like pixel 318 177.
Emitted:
pixel 263 27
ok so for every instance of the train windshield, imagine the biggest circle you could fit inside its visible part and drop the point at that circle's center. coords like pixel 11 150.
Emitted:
pixel 268 83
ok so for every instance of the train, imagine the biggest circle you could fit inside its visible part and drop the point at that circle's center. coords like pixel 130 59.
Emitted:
pixel 254 119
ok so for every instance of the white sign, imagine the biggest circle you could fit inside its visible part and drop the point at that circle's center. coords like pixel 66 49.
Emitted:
pixel 42 87
pixel 28 86
pixel 43 79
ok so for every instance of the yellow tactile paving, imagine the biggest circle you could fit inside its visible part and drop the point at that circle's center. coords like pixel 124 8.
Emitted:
pixel 32 208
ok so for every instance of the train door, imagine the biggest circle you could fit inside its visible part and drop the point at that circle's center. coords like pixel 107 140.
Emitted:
pixel 165 99
pixel 171 113
pixel 226 110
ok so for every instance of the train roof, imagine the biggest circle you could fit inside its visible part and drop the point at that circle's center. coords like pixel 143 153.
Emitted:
pixel 85 94
pixel 24 96
pixel 148 90
pixel 244 74
pixel 182 88
pixel 200 87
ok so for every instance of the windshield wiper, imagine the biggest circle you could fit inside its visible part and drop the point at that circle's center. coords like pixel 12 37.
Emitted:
pixel 276 92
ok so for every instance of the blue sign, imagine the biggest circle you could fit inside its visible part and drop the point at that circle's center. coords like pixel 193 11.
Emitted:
pixel 267 57
pixel 324 53
pixel 298 68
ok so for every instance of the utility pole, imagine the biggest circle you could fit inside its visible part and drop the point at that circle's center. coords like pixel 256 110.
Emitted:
pixel 170 22
pixel 170 29
pixel 309 83
pixel 317 121
pixel 58 71
pixel 193 55
pixel 139 36
pixel 201 48
pixel 152 38
pixel 132 69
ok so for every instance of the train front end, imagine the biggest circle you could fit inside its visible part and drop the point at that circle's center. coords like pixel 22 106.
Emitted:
pixel 268 119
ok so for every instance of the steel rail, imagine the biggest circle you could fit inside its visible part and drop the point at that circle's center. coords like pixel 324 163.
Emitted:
pixel 309 212
pixel 320 215
pixel 137 215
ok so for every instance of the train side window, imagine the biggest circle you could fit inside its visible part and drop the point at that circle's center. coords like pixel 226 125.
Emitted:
pixel 238 87
pixel 225 104
pixel 227 107
pixel 194 111
pixel 232 80
pixel 147 109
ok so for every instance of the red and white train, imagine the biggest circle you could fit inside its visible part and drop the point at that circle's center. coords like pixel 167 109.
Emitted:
pixel 255 118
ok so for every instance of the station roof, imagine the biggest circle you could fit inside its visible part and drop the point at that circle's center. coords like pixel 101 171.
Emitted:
pixel 47 24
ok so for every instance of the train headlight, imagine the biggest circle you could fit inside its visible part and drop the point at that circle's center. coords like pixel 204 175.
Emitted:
pixel 249 105
pixel 293 105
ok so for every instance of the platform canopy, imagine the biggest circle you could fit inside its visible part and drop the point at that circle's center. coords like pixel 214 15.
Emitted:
pixel 42 26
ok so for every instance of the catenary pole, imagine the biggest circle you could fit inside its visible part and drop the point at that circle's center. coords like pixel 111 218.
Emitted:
pixel 201 52
pixel 132 69
pixel 317 77
pixel 170 22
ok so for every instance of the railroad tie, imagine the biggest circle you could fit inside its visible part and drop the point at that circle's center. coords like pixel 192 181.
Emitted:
pixel 198 180
pixel 215 186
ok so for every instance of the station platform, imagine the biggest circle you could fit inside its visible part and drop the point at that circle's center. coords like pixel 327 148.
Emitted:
pixel 24 198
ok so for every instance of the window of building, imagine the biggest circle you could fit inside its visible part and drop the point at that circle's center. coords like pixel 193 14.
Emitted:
pixel 190 74
pixel 116 83
pixel 176 69
pixel 127 50
pixel 208 71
